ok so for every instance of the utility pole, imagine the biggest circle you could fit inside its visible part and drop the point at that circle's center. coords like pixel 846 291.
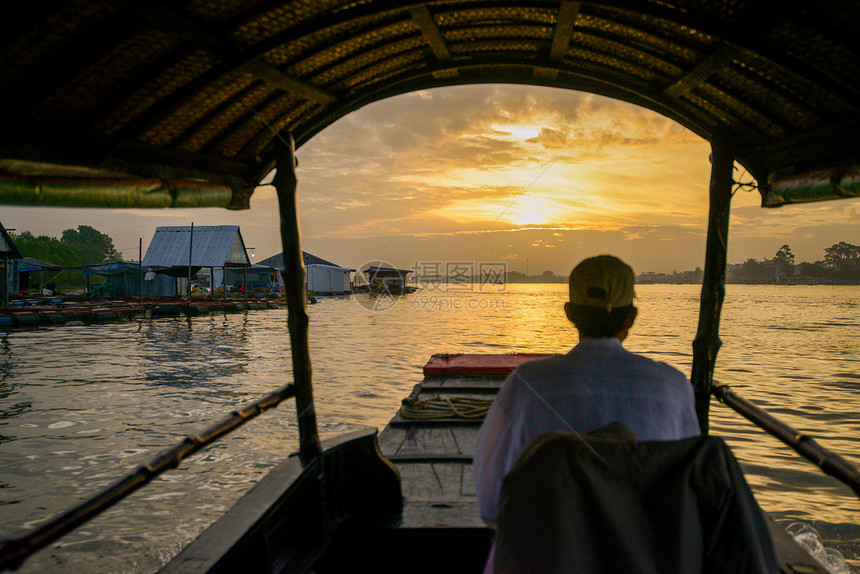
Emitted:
pixel 190 246
pixel 140 268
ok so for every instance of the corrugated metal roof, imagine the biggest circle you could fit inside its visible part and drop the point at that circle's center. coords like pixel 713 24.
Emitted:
pixel 374 270
pixel 335 267
pixel 277 261
pixel 212 246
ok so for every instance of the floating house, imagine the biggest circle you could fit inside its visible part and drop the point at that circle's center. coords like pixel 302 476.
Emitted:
pixel 328 279
pixel 33 276
pixel 8 253
pixel 21 275
pixel 182 251
pixel 253 278
pixel 124 279
pixel 388 279
pixel 322 277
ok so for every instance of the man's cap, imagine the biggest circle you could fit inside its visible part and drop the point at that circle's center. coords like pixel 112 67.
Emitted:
pixel 604 281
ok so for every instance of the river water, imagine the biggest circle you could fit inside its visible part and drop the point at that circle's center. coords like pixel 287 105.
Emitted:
pixel 81 405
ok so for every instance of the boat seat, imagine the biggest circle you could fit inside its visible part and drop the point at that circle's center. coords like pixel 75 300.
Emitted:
pixel 609 503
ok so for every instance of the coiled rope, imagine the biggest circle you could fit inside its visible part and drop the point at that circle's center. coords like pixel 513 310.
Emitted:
pixel 443 408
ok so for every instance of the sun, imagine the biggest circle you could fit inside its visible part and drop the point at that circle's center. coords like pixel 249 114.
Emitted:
pixel 529 216
pixel 519 132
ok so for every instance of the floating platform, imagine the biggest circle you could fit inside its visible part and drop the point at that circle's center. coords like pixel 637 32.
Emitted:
pixel 64 312
pixel 59 315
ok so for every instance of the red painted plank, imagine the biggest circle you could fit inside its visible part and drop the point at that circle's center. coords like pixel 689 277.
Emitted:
pixel 460 364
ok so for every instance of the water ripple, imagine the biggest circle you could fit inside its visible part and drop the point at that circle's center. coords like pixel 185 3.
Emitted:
pixel 74 420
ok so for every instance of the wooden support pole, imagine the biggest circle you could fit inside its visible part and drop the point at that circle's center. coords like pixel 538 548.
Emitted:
pixel 707 342
pixel 285 183
pixel 140 269
pixel 4 288
pixel 190 250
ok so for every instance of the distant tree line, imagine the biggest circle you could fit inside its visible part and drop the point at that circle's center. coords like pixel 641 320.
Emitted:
pixel 74 248
pixel 545 277
pixel 841 263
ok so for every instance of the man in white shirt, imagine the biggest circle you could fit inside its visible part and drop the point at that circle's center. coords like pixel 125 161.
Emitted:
pixel 597 383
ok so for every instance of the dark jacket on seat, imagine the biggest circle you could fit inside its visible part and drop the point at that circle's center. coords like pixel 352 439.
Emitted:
pixel 619 505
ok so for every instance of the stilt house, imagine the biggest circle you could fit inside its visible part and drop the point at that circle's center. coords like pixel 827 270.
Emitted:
pixel 322 277
pixel 33 276
pixel 388 279
pixel 8 252
pixel 182 251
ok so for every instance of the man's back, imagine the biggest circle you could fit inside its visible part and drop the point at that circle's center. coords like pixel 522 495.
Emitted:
pixel 599 382
pixel 595 384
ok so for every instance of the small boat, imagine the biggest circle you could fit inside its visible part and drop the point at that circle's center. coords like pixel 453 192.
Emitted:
pixel 152 104
pixel 403 501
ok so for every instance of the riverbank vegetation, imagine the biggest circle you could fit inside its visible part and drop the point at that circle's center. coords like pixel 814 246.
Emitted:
pixel 840 265
pixel 73 250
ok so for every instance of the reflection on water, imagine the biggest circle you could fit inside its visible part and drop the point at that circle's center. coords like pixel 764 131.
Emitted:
pixel 195 352
pixel 82 405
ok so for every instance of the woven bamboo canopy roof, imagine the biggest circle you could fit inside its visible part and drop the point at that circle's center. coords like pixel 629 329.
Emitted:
pixel 197 89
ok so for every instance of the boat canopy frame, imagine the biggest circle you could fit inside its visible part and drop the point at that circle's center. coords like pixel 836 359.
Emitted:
pixel 156 104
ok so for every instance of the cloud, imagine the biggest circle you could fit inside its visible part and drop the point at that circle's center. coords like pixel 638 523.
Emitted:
pixel 550 139
pixel 455 160
pixel 481 171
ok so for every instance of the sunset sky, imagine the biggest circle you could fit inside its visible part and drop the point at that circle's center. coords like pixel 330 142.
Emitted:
pixel 534 177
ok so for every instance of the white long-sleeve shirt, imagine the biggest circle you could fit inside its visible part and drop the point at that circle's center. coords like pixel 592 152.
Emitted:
pixel 598 382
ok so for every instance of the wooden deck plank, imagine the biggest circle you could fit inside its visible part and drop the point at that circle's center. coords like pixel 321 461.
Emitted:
pixel 455 383
pixel 467 484
pixel 419 482
pixel 433 481
pixel 479 394
pixel 394 438
pixel 400 421
pixel 465 437
pixel 451 476
pixel 390 440
pixel 429 440
pixel 407 458
pixel 463 514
